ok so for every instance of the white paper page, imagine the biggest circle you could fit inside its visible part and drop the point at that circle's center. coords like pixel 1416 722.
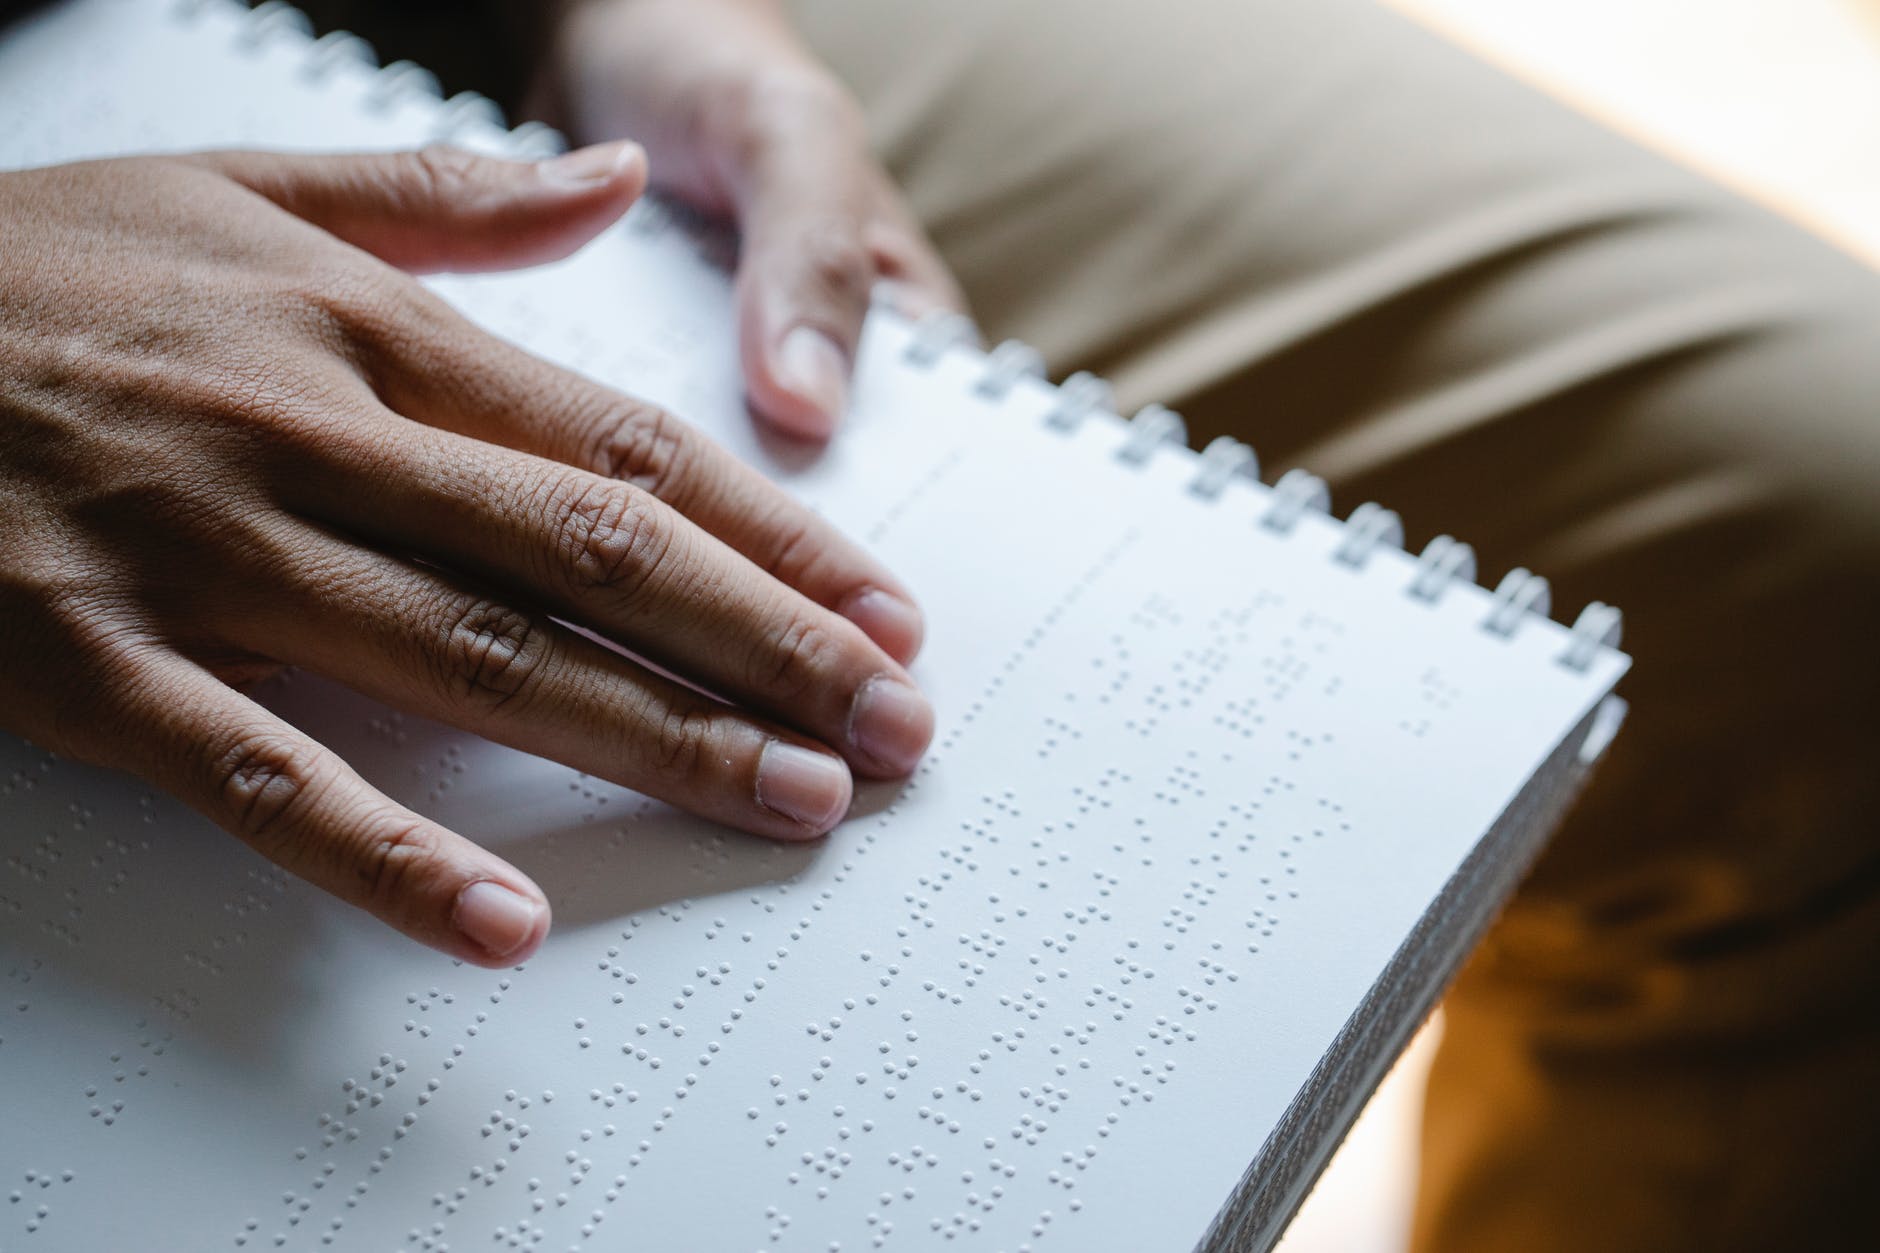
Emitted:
pixel 1194 781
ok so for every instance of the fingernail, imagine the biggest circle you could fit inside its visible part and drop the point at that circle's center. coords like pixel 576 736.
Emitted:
pixel 590 166
pixel 810 365
pixel 891 722
pixel 496 919
pixel 810 787
pixel 888 620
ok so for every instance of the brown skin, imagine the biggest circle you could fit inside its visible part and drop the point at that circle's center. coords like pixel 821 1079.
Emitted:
pixel 234 435
pixel 740 120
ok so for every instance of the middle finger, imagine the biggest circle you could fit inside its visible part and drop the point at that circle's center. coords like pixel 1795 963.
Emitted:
pixel 612 557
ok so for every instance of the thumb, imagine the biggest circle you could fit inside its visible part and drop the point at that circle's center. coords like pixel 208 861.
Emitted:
pixel 444 208
pixel 804 276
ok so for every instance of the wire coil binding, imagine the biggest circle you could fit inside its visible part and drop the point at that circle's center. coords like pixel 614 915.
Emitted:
pixel 1295 495
pixel 1005 366
pixel 1079 396
pixel 1598 626
pixel 464 111
pixel 1370 527
pixel 1443 561
pixel 1222 461
pixel 1151 428
pixel 334 49
pixel 937 332
pixel 272 18
pixel 1521 592
pixel 401 81
pixel 398 83
pixel 536 140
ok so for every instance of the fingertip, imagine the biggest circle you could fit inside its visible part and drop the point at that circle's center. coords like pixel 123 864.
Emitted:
pixel 809 788
pixel 811 372
pixel 892 621
pixel 503 923
pixel 890 726
pixel 792 417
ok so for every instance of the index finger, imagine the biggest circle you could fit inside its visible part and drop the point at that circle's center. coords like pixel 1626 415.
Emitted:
pixel 494 391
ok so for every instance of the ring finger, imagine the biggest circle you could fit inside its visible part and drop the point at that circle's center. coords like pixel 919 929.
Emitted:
pixel 423 641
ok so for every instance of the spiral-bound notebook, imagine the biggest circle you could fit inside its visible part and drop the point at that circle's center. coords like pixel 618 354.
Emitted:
pixel 1223 790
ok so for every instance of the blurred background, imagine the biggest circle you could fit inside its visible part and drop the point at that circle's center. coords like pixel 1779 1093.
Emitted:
pixel 1779 99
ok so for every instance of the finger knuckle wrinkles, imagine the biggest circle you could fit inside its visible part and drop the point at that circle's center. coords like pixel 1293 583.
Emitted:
pixel 793 663
pixel 444 172
pixel 260 780
pixel 611 538
pixel 493 654
pixel 681 743
pixel 644 445
pixel 394 861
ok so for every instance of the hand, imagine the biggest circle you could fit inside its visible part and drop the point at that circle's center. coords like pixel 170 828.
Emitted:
pixel 741 121
pixel 232 436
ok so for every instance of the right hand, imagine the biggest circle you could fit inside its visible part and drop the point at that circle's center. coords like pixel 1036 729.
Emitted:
pixel 234 436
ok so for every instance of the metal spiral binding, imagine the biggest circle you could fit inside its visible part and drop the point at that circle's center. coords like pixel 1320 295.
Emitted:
pixel 535 140
pixel 1370 527
pixel 937 332
pixel 1445 560
pixel 1598 626
pixel 334 49
pixel 1005 366
pixel 464 111
pixel 273 18
pixel 1296 494
pixel 403 80
pixel 1152 427
pixel 1080 395
pixel 1521 592
pixel 1222 461
pixel 395 84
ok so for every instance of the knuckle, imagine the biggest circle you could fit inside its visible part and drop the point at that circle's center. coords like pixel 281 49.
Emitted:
pixel 681 742
pixel 83 621
pixel 78 644
pixel 261 779
pixel 793 663
pixel 393 863
pixel 441 173
pixel 644 445
pixel 492 654
pixel 353 310
pixel 612 538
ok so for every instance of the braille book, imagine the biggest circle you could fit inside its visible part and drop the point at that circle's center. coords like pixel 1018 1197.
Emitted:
pixel 1224 788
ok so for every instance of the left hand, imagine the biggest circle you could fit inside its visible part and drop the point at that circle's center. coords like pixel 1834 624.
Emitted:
pixel 740 120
